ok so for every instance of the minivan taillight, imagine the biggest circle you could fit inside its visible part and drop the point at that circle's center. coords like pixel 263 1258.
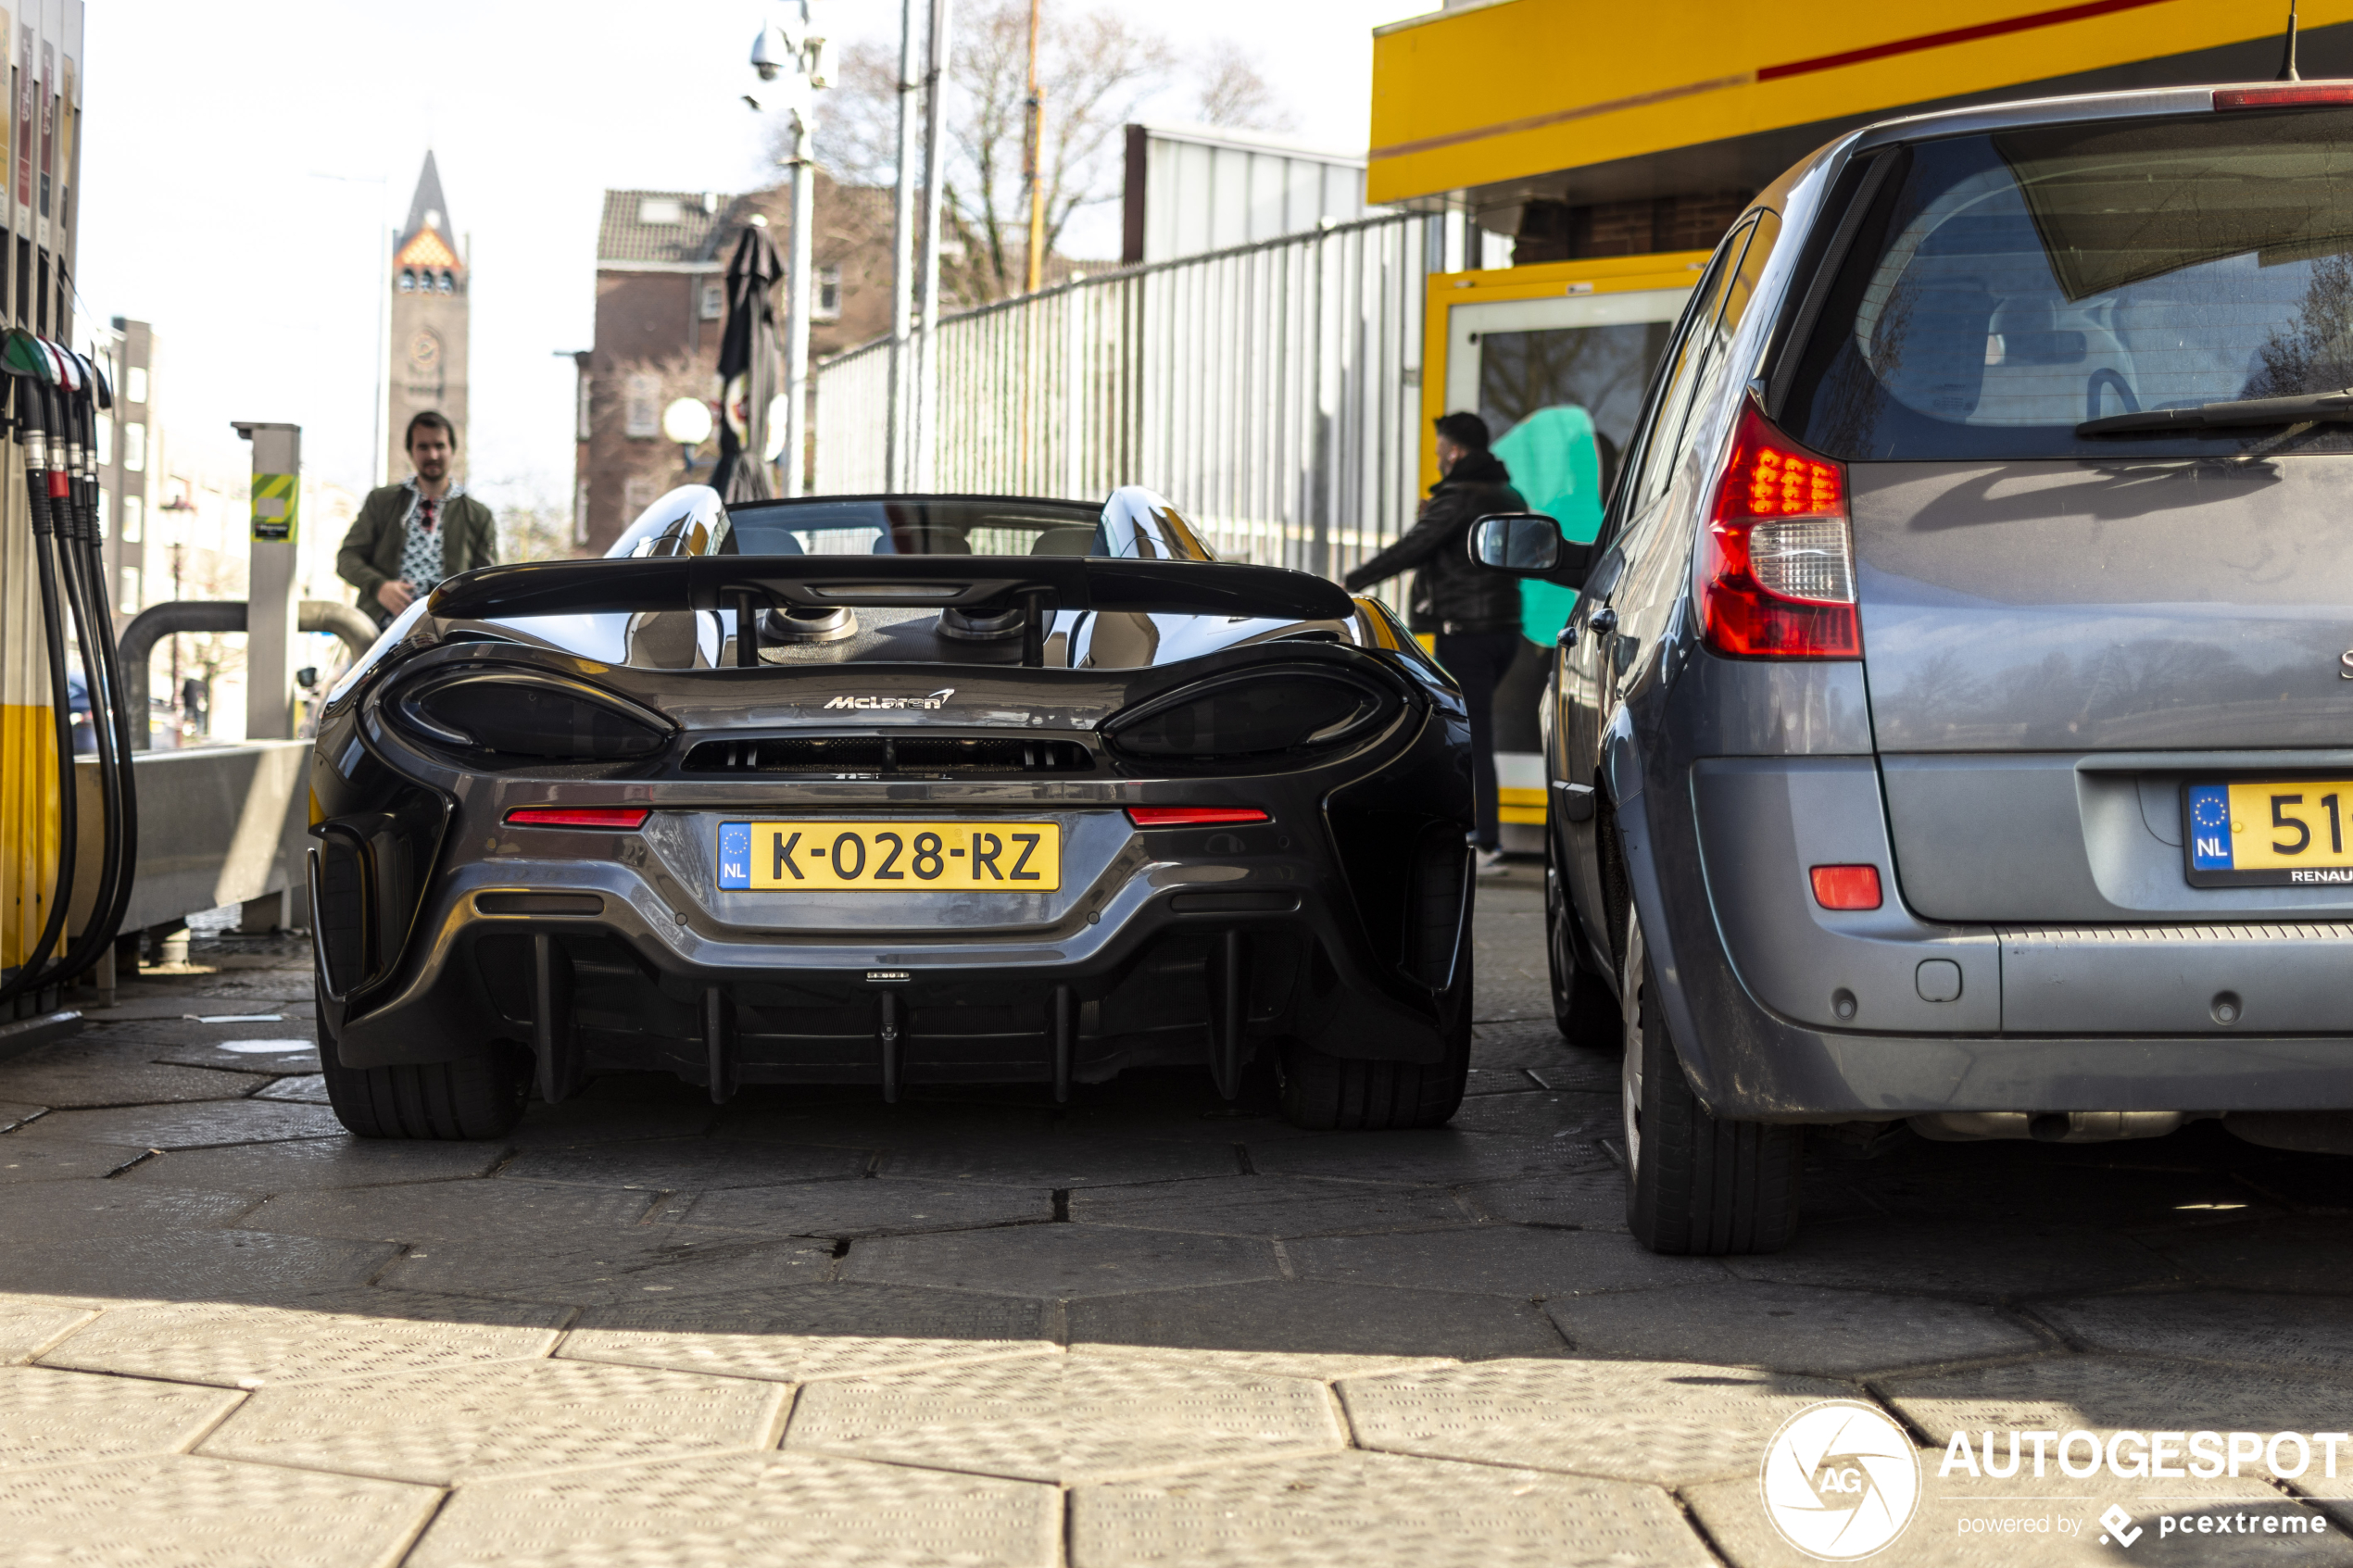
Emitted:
pixel 1776 568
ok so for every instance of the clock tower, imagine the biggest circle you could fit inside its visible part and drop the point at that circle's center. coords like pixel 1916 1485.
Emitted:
pixel 428 349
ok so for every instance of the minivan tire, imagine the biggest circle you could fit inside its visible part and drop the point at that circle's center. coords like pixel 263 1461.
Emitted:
pixel 1329 1093
pixel 1583 1009
pixel 1696 1183
pixel 476 1097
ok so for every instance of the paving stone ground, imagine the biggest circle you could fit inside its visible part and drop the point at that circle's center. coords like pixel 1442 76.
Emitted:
pixel 1142 1329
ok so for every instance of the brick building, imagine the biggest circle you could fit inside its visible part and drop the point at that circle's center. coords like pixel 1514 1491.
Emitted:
pixel 662 306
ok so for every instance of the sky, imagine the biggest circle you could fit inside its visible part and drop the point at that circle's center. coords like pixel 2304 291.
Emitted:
pixel 239 183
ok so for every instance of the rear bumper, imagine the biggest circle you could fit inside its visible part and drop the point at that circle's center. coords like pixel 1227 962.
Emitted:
pixel 1145 969
pixel 1799 1013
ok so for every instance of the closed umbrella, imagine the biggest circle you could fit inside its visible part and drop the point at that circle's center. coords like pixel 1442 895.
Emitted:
pixel 747 368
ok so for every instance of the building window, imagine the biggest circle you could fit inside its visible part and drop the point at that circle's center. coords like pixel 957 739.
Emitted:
pixel 129 603
pixel 105 426
pixel 660 209
pixel 582 407
pixel 714 301
pixel 448 283
pixel 135 385
pixel 580 513
pixel 134 519
pixel 644 422
pixel 134 447
pixel 636 496
pixel 828 294
pixel 407 280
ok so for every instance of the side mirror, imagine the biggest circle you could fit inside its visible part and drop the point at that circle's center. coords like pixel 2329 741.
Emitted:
pixel 1528 545
pixel 308 677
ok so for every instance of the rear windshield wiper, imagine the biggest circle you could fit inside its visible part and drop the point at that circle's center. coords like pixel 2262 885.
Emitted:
pixel 2308 408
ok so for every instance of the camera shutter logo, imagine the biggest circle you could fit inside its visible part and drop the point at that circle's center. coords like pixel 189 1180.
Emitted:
pixel 1840 1480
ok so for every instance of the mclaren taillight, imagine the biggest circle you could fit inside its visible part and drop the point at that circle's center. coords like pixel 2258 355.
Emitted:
pixel 1254 717
pixel 625 819
pixel 1191 816
pixel 527 713
pixel 1776 566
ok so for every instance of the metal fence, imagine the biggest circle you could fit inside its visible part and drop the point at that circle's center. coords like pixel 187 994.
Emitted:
pixel 1270 392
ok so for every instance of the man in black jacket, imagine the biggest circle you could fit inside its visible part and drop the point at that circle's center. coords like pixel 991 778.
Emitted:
pixel 1474 612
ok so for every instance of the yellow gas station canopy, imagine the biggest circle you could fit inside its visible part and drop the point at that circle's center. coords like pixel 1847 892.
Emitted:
pixel 1582 101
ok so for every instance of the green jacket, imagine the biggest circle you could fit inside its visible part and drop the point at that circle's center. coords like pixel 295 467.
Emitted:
pixel 370 553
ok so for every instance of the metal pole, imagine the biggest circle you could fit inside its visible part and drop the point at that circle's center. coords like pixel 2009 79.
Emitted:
pixel 927 347
pixel 796 281
pixel 902 262
pixel 1033 156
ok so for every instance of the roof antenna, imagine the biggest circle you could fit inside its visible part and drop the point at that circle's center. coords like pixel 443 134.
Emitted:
pixel 2287 57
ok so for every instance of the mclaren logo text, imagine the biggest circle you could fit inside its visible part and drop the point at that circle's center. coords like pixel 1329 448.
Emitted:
pixel 936 699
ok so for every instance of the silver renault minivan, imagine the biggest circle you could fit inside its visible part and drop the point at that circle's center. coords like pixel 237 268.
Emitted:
pixel 1955 726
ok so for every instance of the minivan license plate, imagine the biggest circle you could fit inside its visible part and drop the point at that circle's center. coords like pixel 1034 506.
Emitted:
pixel 2280 833
pixel 890 856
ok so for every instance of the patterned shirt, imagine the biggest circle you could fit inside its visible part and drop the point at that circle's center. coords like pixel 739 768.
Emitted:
pixel 421 547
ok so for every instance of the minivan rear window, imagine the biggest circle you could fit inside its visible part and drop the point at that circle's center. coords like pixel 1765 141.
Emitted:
pixel 2005 287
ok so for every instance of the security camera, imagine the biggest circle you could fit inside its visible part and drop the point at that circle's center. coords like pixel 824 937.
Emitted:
pixel 771 51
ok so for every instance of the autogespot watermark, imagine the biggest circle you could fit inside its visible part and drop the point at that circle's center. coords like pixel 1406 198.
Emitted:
pixel 1841 1481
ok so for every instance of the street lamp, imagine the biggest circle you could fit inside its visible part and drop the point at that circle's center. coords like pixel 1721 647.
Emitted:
pixel 687 422
pixel 792 48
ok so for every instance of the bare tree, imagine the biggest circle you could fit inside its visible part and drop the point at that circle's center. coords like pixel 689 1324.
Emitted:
pixel 1229 91
pixel 1096 71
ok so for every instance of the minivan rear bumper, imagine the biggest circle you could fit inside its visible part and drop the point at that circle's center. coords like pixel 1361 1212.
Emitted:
pixel 1797 1012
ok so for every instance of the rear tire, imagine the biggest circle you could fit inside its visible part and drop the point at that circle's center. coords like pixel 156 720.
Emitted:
pixel 1694 1184
pixel 478 1096
pixel 1583 1009
pixel 1330 1093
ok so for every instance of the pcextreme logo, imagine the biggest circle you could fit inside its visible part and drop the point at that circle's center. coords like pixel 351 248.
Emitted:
pixel 936 700
pixel 1839 1481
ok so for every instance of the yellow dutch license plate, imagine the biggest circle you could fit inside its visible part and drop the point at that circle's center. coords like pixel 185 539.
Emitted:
pixel 2280 833
pixel 890 856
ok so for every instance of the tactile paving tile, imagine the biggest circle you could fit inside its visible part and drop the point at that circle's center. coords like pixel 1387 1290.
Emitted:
pixel 53 1416
pixel 88 1069
pixel 505 1418
pixel 1949 1531
pixel 24 1158
pixel 1264 1206
pixel 1377 1510
pixel 311 1164
pixel 588 1269
pixel 250 1347
pixel 2104 1393
pixel 1438 1156
pixel 1065 1417
pixel 204 1124
pixel 225 1265
pixel 1057 1161
pixel 85 1211
pixel 1497 1259
pixel 2294 1254
pixel 1960 1258
pixel 687 1164
pixel 747 1510
pixel 796 1334
pixel 26 1330
pixel 185 1513
pixel 1309 1328
pixel 2307 1333
pixel 1060 1259
pixel 1789 1328
pixel 879 1207
pixel 1532 1112
pixel 468 1212
pixel 1666 1422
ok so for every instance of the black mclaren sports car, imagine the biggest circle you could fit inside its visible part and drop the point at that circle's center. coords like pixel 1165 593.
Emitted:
pixel 891 790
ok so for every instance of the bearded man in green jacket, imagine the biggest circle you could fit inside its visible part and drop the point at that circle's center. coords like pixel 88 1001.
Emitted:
pixel 410 536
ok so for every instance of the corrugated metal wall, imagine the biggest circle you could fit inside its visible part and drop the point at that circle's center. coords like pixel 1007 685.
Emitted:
pixel 1271 392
